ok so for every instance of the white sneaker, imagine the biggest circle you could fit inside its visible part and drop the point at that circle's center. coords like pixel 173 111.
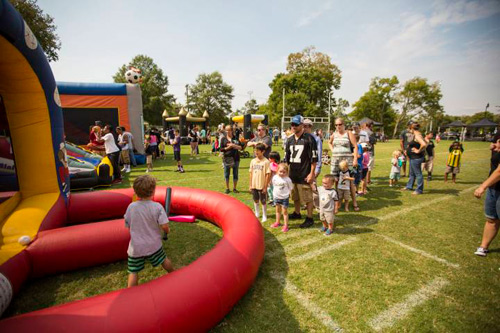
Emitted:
pixel 128 170
pixel 147 171
pixel 124 169
pixel 264 219
pixel 481 252
pixel 257 215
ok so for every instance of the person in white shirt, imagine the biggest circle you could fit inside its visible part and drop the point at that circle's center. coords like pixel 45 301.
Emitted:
pixel 282 187
pixel 130 146
pixel 123 142
pixel 112 152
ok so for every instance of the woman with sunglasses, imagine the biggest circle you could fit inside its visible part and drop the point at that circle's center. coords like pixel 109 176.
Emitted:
pixel 340 144
pixel 262 137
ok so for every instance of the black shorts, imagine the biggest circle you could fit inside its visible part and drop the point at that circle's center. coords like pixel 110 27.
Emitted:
pixel 364 173
pixel 177 156
pixel 259 196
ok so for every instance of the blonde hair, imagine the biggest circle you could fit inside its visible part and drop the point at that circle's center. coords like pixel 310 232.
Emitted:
pixel 343 165
pixel 144 186
pixel 396 153
pixel 283 166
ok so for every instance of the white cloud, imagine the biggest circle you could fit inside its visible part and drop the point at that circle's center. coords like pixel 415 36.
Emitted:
pixel 310 17
pixel 454 12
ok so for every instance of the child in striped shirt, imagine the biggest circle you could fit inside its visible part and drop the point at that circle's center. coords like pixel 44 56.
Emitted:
pixel 453 162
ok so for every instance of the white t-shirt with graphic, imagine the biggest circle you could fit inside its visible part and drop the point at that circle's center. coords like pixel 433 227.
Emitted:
pixel 282 187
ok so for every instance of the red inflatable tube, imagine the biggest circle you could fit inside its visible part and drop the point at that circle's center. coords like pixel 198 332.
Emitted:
pixel 192 299
pixel 182 218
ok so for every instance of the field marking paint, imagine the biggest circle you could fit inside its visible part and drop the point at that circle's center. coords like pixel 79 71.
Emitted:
pixel 421 252
pixel 304 300
pixel 440 153
pixel 294 246
pixel 312 254
pixel 400 310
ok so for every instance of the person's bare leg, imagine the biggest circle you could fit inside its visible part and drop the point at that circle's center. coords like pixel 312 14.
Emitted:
pixel 454 178
pixel 132 279
pixel 445 177
pixel 490 231
pixel 353 196
pixel 296 205
pixel 310 207
pixel 278 214
pixel 346 205
pixel 167 265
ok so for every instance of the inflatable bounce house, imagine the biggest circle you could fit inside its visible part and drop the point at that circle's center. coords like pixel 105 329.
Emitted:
pixel 184 120
pixel 117 104
pixel 45 230
pixel 248 120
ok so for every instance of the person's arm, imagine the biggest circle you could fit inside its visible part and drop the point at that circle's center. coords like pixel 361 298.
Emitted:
pixel 319 146
pixel 165 228
pixel 330 142
pixel 268 180
pixel 250 178
pixel 423 144
pixel 352 138
pixel 492 180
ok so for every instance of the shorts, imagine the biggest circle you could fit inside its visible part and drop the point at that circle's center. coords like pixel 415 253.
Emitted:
pixel 149 159
pixel 453 170
pixel 327 216
pixel 344 194
pixel 492 204
pixel 371 162
pixel 135 265
pixel 334 167
pixel 258 195
pixel 282 202
pixel 357 175
pixel 364 173
pixel 395 176
pixel 428 165
pixel 125 156
pixel 302 192
pixel 177 155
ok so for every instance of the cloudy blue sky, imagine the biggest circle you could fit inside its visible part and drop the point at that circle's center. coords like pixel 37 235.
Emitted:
pixel 454 42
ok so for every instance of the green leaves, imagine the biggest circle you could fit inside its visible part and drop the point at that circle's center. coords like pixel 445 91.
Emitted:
pixel 210 93
pixel 154 87
pixel 310 78
pixel 42 26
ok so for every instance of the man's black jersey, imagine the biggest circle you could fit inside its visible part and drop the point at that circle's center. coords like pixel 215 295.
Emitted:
pixel 300 154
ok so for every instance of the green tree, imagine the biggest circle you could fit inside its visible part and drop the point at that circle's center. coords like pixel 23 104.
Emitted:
pixel 339 110
pixel 210 93
pixel 154 87
pixel 250 106
pixel 377 102
pixel 419 98
pixel 309 79
pixel 42 26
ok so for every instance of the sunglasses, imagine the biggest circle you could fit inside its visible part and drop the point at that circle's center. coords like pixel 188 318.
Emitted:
pixel 295 125
pixel 339 124
pixel 260 129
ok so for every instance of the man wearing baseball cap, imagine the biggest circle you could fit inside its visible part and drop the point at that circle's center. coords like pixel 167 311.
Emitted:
pixel 302 156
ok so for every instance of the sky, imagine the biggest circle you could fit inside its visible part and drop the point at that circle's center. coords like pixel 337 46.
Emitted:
pixel 456 43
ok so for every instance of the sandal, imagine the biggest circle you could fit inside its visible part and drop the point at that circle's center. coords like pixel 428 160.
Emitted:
pixel 356 208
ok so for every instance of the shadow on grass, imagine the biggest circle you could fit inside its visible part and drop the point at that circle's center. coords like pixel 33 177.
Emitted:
pixel 263 308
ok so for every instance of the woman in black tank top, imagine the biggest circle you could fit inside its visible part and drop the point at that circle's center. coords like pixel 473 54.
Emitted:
pixel 416 151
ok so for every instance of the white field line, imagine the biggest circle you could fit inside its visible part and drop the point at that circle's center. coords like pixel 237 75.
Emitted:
pixel 400 310
pixel 293 246
pixel 312 254
pixel 421 252
pixel 440 153
pixel 314 310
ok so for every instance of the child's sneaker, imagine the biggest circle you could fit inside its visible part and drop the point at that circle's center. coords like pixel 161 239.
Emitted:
pixel 328 232
pixel 285 229
pixel 481 252
pixel 275 225
pixel 322 229
pixel 264 218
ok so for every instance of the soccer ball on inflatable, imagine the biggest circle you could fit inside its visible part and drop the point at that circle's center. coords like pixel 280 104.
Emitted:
pixel 133 75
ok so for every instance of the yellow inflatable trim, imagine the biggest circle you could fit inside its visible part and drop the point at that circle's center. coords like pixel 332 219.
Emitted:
pixel 255 118
pixel 24 220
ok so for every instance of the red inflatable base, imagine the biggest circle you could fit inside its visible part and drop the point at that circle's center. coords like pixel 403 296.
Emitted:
pixel 192 299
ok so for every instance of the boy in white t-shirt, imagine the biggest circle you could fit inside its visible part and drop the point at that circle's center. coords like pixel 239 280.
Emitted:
pixel 124 145
pixel 144 218
pixel 327 204
pixel 395 174
pixel 344 185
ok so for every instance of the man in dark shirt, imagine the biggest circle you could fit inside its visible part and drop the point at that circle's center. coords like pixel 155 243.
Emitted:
pixel 301 155
pixel 429 151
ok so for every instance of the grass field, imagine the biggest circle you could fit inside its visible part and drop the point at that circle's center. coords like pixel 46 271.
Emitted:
pixel 403 263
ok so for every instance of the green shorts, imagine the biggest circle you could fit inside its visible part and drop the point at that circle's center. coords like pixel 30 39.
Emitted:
pixel 135 265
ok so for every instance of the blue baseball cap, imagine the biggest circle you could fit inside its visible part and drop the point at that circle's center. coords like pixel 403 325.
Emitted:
pixel 298 119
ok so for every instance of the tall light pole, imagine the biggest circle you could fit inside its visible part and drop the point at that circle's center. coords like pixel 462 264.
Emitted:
pixel 283 117
pixel 330 93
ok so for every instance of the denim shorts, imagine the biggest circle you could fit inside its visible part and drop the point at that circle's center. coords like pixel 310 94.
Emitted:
pixel 492 204
pixel 282 202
